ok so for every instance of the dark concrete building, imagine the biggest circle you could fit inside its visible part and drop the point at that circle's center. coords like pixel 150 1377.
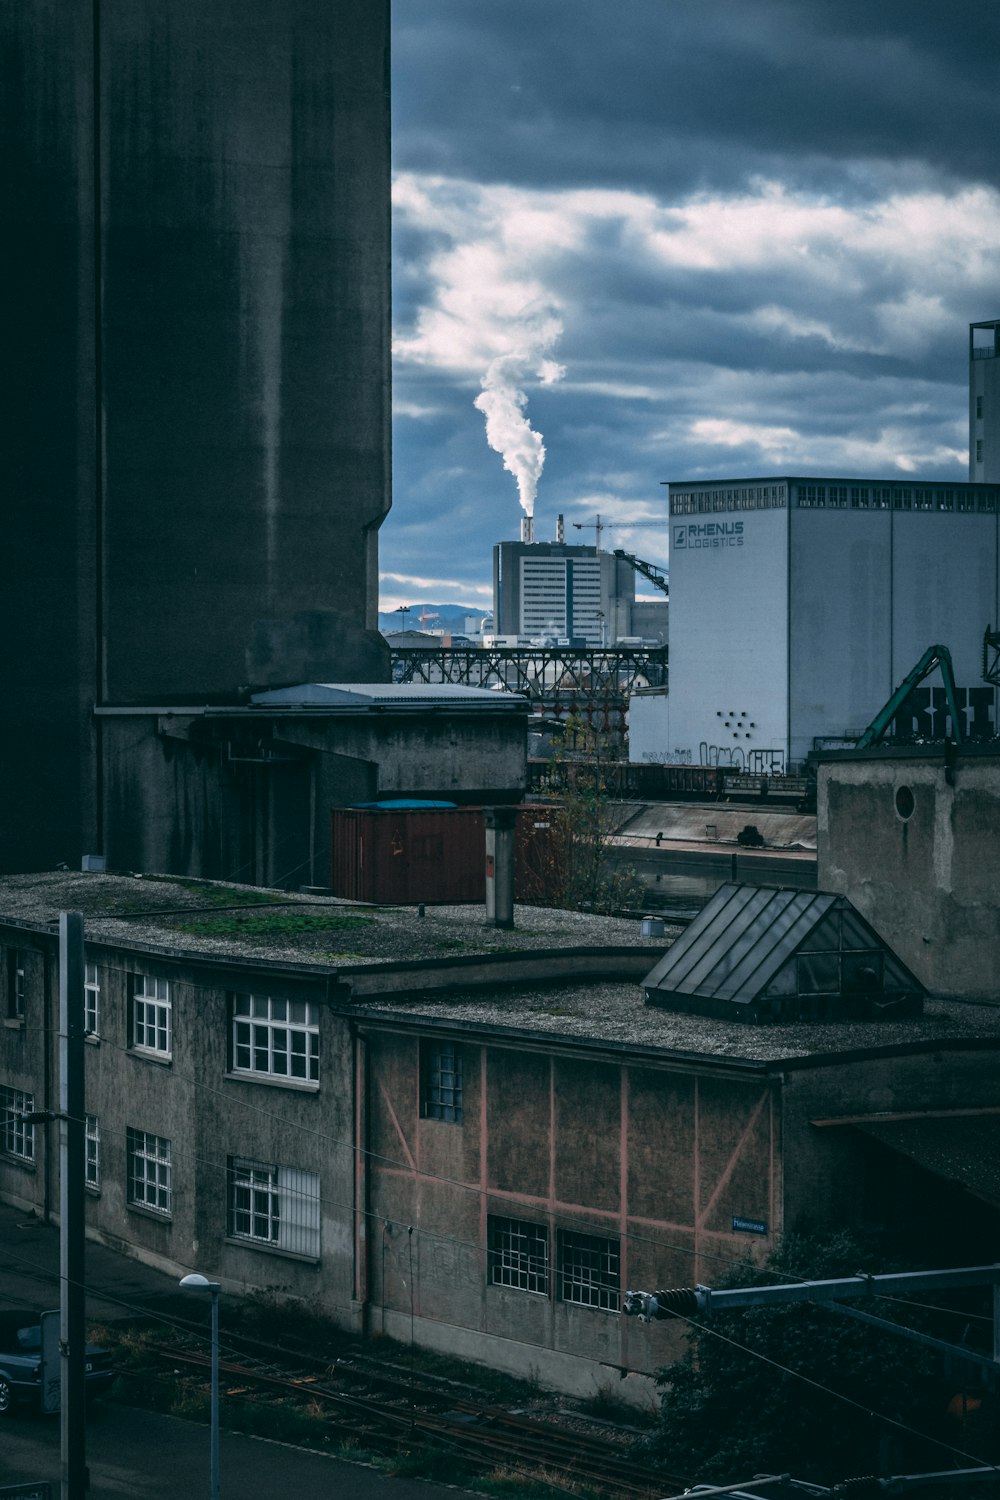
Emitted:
pixel 911 835
pixel 195 449
pixel 471 1139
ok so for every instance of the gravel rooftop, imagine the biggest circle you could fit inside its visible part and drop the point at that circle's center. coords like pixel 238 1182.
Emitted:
pixel 166 914
pixel 218 918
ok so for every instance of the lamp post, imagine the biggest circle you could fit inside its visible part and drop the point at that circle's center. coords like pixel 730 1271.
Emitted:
pixel 402 610
pixel 198 1283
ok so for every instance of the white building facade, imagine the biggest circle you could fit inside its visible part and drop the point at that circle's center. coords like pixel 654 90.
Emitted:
pixel 799 604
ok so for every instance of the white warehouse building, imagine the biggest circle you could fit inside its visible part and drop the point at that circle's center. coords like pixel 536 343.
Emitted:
pixel 799 604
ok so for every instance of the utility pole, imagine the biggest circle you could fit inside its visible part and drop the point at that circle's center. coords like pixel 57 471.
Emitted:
pixel 72 1170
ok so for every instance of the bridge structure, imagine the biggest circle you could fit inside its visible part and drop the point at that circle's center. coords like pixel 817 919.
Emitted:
pixel 561 682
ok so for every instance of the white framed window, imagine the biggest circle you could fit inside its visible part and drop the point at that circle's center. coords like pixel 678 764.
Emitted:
pixel 91 1000
pixel 589 1270
pixel 15 984
pixel 275 1038
pixel 148 1171
pixel 17 1138
pixel 518 1254
pixel 151 1014
pixel 93 1157
pixel 273 1207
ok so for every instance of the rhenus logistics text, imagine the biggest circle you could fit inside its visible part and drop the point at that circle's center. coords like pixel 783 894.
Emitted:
pixel 709 534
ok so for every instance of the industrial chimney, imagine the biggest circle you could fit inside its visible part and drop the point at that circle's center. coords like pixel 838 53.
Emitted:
pixel 527 528
pixel 560 529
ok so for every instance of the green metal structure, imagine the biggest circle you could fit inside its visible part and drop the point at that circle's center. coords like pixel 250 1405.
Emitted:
pixel 933 657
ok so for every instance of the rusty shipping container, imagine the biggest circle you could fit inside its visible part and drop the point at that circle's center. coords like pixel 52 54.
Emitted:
pixel 401 856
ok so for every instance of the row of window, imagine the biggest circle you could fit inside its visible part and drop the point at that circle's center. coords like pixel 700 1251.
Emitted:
pixel 270 1205
pixel 744 497
pixel 894 497
pixel 839 497
pixel 269 1036
pixel 278 1207
pixel 588 1267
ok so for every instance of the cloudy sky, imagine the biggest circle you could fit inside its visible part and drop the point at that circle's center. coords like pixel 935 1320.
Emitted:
pixel 666 238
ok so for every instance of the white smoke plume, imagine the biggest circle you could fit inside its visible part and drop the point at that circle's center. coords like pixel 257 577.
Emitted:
pixel 502 402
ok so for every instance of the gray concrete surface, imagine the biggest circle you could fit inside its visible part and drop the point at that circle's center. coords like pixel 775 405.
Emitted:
pixel 144 1455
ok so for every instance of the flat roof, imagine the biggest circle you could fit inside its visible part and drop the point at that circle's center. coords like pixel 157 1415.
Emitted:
pixel 615 1015
pixel 909 480
pixel 223 922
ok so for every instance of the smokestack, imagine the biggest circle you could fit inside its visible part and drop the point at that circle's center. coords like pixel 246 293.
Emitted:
pixel 527 528
pixel 560 529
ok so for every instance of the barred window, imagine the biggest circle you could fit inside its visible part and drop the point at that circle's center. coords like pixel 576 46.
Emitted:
pixel 518 1254
pixel 988 502
pixel 151 1014
pixel 859 496
pixel 275 1038
pixel 93 1158
pixel 18 1137
pixel 589 1270
pixel 441 1081
pixel 272 1206
pixel 148 1171
pixel 903 499
pixel 91 999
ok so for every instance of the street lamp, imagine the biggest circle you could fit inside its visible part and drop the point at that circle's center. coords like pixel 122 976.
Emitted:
pixel 198 1283
pixel 402 610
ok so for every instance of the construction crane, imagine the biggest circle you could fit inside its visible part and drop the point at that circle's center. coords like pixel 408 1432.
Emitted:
pixel 597 526
pixel 648 570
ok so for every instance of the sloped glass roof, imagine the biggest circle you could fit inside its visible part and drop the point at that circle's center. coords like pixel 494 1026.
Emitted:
pixel 745 935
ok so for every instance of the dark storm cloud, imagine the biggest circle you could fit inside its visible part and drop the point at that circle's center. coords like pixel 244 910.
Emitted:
pixel 678 94
pixel 750 231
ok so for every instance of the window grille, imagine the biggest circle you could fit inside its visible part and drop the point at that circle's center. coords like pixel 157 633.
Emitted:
pixel 518 1254
pixel 92 999
pixel 18 1136
pixel 151 1016
pixel 441 1081
pixel 275 1038
pixel 93 1157
pixel 15 984
pixel 274 1206
pixel 589 1270
pixel 148 1171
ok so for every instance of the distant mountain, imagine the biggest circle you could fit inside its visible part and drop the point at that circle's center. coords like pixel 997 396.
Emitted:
pixel 435 617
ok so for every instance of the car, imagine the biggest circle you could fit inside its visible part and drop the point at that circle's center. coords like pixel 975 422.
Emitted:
pixel 21 1362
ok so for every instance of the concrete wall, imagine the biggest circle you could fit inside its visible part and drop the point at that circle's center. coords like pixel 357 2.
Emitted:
pixel 728 634
pixel 928 882
pixel 208 1115
pixel 249 798
pixel 657 1159
pixel 833 1177
pixel 195 444
pixel 840 622
pixel 649 727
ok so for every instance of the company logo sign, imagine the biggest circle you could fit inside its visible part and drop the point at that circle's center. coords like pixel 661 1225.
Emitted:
pixel 708 534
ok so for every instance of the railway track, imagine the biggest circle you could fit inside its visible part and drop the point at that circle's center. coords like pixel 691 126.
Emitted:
pixel 389 1413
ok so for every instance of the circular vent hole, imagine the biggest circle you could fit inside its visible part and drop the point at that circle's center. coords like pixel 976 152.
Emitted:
pixel 904 802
